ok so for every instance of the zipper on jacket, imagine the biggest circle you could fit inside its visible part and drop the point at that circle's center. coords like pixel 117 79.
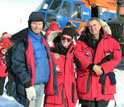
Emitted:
pixel 93 54
pixel 64 100
pixel 62 94
pixel 64 66
pixel 73 92
pixel 88 82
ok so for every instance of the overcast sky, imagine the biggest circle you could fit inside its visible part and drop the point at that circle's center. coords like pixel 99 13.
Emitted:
pixel 19 1
pixel 15 13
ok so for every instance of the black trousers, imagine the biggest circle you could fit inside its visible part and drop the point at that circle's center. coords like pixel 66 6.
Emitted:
pixel 2 81
pixel 89 103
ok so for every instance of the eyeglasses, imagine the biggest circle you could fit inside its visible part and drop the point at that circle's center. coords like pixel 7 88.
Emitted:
pixel 68 39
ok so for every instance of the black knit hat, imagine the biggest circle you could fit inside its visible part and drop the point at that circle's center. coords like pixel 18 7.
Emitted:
pixel 69 31
pixel 36 16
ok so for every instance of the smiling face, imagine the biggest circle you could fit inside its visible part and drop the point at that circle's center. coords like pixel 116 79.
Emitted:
pixel 94 28
pixel 36 27
pixel 66 40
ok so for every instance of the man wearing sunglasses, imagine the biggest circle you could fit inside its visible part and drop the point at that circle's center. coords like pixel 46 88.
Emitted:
pixel 64 60
pixel 96 79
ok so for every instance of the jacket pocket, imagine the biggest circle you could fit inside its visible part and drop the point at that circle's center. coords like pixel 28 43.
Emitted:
pixel 59 78
pixel 56 99
pixel 83 82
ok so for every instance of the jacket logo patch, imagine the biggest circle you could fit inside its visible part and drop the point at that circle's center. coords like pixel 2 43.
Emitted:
pixel 57 68
pixel 87 53
pixel 57 56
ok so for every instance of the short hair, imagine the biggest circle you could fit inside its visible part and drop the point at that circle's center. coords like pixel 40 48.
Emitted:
pixel 93 18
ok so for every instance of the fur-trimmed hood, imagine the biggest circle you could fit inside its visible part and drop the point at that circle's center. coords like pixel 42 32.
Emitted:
pixel 87 37
pixel 54 34
pixel 105 27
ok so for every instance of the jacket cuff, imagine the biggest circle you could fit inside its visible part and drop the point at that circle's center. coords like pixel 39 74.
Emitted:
pixel 103 71
pixel 27 85
pixel 91 66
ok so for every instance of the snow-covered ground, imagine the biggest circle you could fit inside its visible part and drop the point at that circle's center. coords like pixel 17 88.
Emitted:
pixel 6 101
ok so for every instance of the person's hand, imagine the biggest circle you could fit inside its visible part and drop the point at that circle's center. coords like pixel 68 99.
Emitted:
pixel 31 93
pixel 97 69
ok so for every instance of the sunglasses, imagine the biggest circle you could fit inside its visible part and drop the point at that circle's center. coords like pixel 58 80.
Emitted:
pixel 68 39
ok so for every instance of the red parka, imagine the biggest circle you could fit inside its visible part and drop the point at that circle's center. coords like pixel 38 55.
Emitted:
pixel 4 45
pixel 2 63
pixel 88 85
pixel 53 27
pixel 67 93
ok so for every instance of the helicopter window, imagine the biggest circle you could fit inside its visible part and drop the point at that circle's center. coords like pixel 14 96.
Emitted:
pixel 77 11
pixel 65 9
pixel 112 16
pixel 45 4
pixel 55 6
pixel 104 15
pixel 50 18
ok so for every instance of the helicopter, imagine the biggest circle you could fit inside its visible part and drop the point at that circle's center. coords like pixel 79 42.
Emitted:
pixel 77 11
pixel 117 26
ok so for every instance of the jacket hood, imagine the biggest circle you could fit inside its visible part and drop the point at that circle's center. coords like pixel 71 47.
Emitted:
pixel 51 37
pixel 87 37
pixel 55 36
pixel 21 35
pixel 105 27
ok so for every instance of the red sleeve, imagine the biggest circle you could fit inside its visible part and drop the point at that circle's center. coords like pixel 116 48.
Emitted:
pixel 117 54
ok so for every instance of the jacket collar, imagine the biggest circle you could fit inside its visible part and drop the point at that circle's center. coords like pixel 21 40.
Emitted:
pixel 21 35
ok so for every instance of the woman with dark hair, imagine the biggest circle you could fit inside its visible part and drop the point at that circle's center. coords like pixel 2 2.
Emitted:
pixel 64 60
